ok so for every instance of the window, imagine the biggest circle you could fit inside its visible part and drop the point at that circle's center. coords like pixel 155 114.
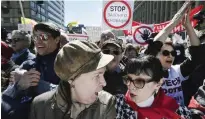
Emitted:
pixel 6 20
pixel 15 20
pixel 33 13
pixel 43 18
pixel 54 17
pixel 42 11
pixel 39 8
pixel 32 4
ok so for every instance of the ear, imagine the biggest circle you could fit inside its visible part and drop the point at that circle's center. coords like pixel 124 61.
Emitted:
pixel 159 84
pixel 57 40
pixel 70 82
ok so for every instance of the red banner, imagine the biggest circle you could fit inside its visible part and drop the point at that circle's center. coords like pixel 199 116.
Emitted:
pixel 178 28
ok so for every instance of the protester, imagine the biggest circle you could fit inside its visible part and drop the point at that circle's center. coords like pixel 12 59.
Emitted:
pixel 105 36
pixel 196 78
pixel 80 66
pixel 130 51
pixel 7 65
pixel 113 76
pixel 4 33
pixel 20 42
pixel 180 54
pixel 144 97
pixel 165 52
pixel 197 103
pixel 34 76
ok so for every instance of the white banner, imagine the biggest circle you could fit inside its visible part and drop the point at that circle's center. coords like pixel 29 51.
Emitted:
pixel 77 37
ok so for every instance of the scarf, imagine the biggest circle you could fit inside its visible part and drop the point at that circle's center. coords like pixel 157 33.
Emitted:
pixel 18 54
pixel 162 107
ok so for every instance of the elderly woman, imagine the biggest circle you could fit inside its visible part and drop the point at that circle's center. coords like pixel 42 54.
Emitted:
pixel 80 66
pixel 144 98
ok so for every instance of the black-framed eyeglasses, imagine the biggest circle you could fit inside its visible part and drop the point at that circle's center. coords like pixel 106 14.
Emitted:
pixel 167 53
pixel 42 37
pixel 139 83
pixel 107 51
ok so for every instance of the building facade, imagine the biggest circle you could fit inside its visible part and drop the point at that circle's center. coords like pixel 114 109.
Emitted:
pixel 51 11
pixel 151 12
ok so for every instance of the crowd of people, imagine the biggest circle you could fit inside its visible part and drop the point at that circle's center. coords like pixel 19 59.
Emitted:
pixel 46 76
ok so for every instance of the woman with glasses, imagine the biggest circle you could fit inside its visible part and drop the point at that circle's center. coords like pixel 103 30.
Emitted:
pixel 163 49
pixel 144 98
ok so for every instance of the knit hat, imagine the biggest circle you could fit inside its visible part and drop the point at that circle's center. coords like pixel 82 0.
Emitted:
pixel 77 57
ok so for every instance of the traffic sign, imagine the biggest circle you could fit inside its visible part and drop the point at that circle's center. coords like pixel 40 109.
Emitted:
pixel 139 31
pixel 117 14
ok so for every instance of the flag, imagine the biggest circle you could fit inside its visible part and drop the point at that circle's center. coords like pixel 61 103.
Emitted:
pixel 73 23
pixel 28 21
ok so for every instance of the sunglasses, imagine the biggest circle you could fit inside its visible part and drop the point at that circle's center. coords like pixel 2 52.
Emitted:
pixel 42 37
pixel 16 40
pixel 167 53
pixel 139 83
pixel 107 51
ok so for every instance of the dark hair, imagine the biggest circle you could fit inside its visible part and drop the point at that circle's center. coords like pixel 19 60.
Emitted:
pixel 169 43
pixel 145 64
pixel 130 47
pixel 48 27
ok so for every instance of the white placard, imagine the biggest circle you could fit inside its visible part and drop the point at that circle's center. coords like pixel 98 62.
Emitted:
pixel 94 33
pixel 77 37
pixel 25 27
pixel 117 14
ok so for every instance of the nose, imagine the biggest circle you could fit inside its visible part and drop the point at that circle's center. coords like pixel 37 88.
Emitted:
pixel 38 41
pixel 102 81
pixel 131 86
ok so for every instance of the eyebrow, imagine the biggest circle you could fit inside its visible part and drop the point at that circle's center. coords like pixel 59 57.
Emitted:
pixel 99 72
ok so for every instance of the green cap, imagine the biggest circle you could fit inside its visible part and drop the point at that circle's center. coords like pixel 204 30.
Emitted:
pixel 77 57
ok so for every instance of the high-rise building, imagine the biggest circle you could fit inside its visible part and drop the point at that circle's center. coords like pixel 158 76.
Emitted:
pixel 51 11
pixel 150 12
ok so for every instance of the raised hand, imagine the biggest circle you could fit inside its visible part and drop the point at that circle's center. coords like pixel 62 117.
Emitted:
pixel 163 34
pixel 186 19
pixel 145 34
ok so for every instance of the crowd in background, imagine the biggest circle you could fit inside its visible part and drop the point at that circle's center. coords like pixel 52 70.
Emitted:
pixel 155 81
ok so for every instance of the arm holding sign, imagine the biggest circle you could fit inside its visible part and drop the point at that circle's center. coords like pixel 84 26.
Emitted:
pixel 196 50
pixel 194 40
pixel 163 34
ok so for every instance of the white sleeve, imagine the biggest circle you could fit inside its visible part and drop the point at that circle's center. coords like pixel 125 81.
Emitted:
pixel 178 70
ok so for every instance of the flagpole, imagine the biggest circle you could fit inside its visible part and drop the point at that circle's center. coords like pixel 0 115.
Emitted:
pixel 22 11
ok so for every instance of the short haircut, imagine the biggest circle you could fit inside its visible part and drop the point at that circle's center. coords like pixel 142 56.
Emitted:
pixel 146 64
pixel 26 37
pixel 48 27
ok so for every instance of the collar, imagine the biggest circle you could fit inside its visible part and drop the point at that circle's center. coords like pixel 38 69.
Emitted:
pixel 162 106
pixel 146 103
pixel 48 57
pixel 22 51
pixel 15 55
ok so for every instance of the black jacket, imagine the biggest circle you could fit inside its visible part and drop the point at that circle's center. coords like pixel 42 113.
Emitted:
pixel 114 80
pixel 16 103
